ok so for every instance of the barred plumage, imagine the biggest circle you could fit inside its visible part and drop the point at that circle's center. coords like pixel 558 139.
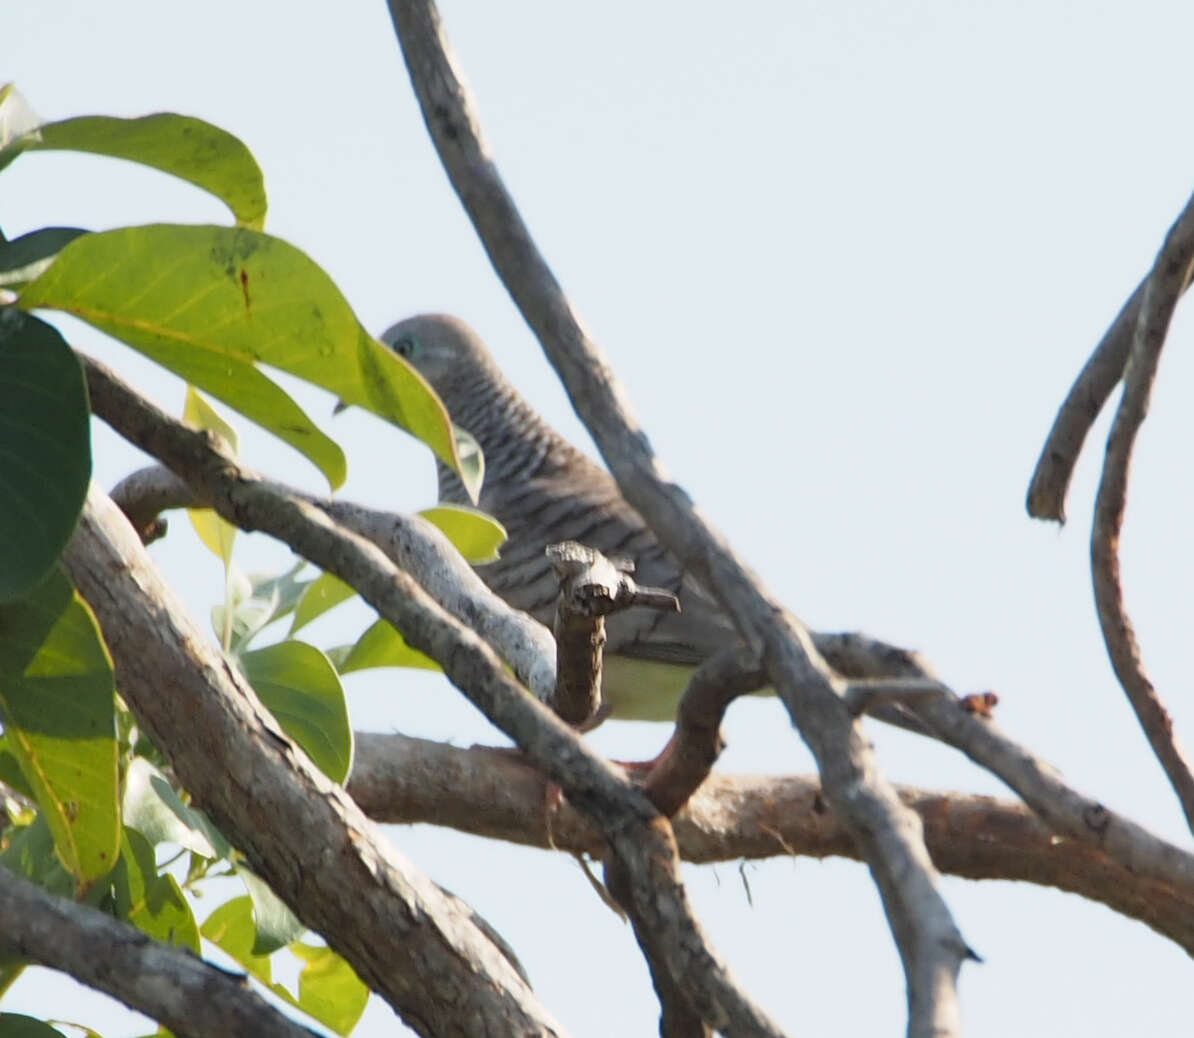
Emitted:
pixel 544 491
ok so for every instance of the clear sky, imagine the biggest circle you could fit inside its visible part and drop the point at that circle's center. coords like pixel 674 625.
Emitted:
pixel 848 259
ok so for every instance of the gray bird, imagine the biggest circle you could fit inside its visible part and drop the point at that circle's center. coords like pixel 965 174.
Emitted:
pixel 543 490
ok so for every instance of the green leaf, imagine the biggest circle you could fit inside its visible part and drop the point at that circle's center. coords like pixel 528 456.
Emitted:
pixel 472 463
pixel 382 646
pixel 57 697
pixel 11 774
pixel 45 449
pixel 18 123
pixel 276 925
pixel 154 808
pixel 301 688
pixel 29 852
pixel 17 1025
pixel 284 590
pixel 474 534
pixel 153 903
pixel 329 989
pixel 323 593
pixel 188 148
pixel 218 535
pixel 209 302
pixel 24 258
pixel 231 929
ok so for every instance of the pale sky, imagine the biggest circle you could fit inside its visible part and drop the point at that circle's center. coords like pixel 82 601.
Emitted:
pixel 847 259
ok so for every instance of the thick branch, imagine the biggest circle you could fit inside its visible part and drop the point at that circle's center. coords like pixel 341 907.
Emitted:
pixel 634 831
pixel 168 984
pixel 298 831
pixel 1166 283
pixel 888 834
pixel 489 793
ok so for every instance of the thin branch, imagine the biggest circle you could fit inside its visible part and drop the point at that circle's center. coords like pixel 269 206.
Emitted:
pixel 1095 382
pixel 1062 808
pixel 490 793
pixel 696 742
pixel 930 945
pixel 635 833
pixel 166 983
pixel 300 832
pixel 1166 283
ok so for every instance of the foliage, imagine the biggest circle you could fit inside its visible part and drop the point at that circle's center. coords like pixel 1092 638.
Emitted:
pixel 90 810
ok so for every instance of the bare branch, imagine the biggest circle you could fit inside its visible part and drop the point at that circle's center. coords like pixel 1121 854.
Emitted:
pixel 1061 807
pixel 696 743
pixel 145 494
pixel 298 831
pixel 169 984
pixel 1094 384
pixel 638 838
pixel 423 552
pixel 928 940
pixel 493 794
pixel 1167 281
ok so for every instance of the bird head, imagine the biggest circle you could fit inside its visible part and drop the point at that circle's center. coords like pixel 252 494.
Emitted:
pixel 443 349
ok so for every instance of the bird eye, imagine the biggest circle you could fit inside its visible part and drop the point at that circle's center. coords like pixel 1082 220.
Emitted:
pixel 405 347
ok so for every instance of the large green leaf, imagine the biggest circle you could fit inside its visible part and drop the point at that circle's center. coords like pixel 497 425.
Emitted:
pixel 57 698
pixel 153 903
pixel 301 688
pixel 188 148
pixel 45 449
pixel 210 302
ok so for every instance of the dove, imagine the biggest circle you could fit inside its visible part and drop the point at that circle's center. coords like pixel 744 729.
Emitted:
pixel 545 491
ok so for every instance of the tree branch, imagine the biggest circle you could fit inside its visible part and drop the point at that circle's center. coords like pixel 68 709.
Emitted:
pixel 1094 384
pixel 1166 283
pixel 422 551
pixel 634 832
pixel 298 831
pixel 930 945
pixel 489 793
pixel 169 984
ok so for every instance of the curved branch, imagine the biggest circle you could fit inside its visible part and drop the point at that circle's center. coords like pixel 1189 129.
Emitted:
pixel 930 945
pixel 487 792
pixel 1094 384
pixel 1169 277
pixel 168 984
